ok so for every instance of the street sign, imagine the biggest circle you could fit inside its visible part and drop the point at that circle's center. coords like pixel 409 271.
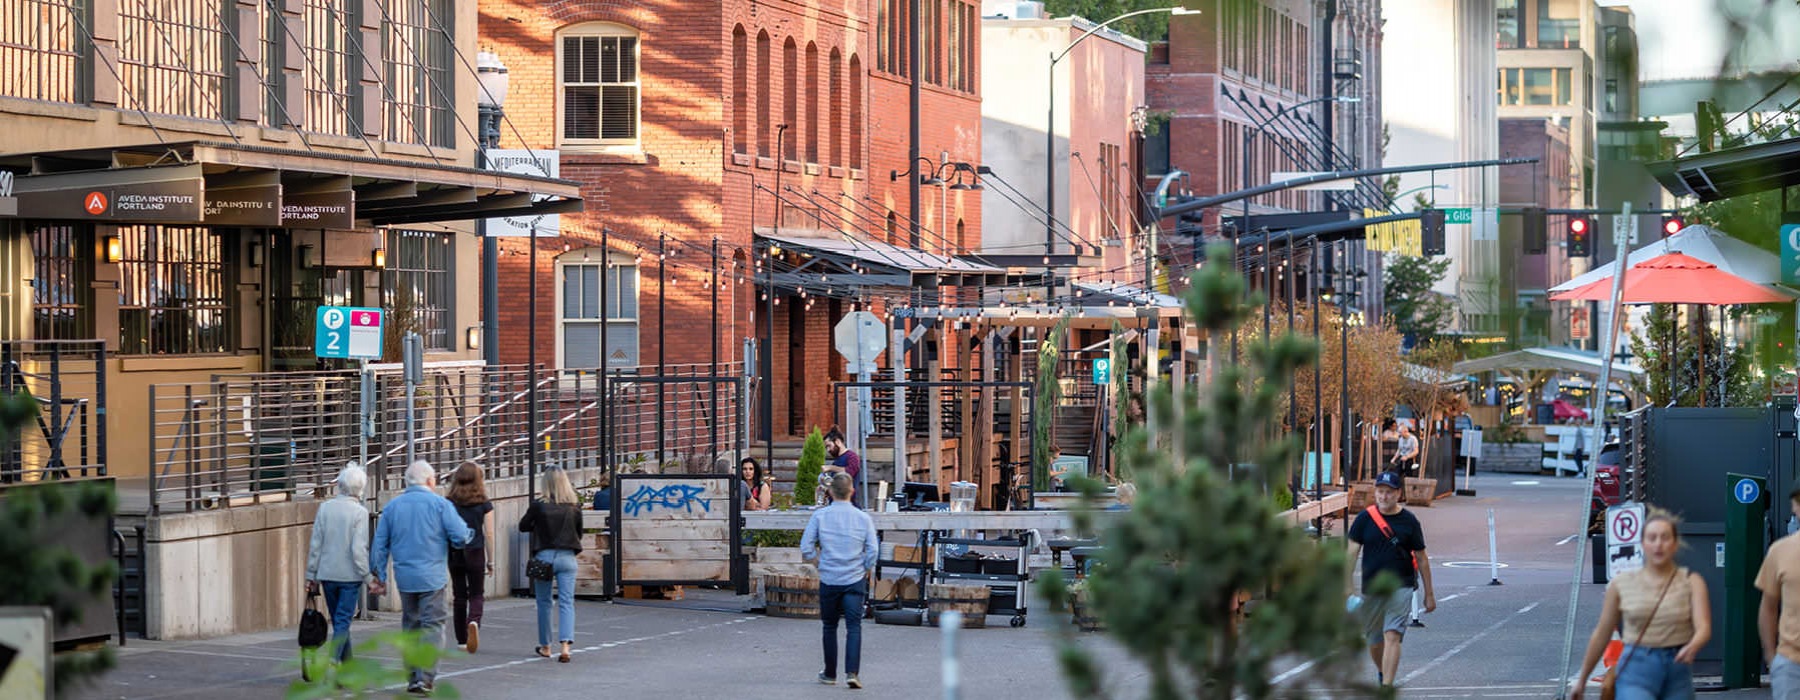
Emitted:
pixel 1624 535
pixel 538 162
pixel 1459 215
pixel 1578 323
pixel 1625 229
pixel 1790 254
pixel 347 332
pixel 861 339
pixel 1102 371
pixel 1746 491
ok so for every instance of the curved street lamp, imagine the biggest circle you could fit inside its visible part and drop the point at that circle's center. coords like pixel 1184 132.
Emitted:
pixel 1050 123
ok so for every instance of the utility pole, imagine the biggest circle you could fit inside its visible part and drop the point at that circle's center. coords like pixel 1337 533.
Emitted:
pixel 1328 86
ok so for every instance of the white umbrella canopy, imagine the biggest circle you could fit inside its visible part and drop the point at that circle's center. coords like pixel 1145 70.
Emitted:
pixel 1705 243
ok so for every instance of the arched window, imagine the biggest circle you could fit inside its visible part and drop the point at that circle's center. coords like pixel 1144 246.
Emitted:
pixel 790 97
pixel 597 85
pixel 812 102
pixel 893 227
pixel 856 112
pixel 740 90
pixel 764 127
pixel 962 243
pixel 834 95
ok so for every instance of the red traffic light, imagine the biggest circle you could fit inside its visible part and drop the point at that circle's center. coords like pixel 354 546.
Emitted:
pixel 1672 225
pixel 1578 226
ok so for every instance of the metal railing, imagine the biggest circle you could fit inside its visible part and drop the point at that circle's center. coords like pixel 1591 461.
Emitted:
pixel 243 439
pixel 66 380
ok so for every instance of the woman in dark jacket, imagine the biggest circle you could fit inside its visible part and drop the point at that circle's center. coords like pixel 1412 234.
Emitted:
pixel 554 521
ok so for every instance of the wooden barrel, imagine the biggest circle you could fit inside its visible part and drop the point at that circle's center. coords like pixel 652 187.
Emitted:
pixel 971 601
pixel 786 595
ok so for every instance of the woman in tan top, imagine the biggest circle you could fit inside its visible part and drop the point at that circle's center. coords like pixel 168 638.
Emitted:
pixel 1667 620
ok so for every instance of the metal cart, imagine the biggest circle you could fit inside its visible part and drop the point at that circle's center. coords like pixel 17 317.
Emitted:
pixel 1008 582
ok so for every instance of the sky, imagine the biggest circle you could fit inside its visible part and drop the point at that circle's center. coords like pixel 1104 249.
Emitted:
pixel 1687 38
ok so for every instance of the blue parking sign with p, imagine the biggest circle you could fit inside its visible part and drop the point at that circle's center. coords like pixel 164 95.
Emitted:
pixel 1747 491
pixel 1102 371
pixel 347 332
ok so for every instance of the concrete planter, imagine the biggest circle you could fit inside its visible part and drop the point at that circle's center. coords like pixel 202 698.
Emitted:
pixel 1513 457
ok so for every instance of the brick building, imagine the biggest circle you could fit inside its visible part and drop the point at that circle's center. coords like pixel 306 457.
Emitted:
pixel 1552 186
pixel 766 128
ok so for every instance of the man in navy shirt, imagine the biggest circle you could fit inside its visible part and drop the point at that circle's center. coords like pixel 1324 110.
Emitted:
pixel 1389 539
pixel 846 460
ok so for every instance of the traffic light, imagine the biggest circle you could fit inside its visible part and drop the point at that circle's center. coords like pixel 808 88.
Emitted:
pixel 1581 236
pixel 1431 231
pixel 1536 233
pixel 1671 225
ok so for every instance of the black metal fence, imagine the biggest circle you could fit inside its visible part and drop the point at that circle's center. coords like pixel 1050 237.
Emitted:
pixel 66 380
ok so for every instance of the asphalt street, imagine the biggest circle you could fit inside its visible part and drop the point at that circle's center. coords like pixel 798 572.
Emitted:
pixel 1484 640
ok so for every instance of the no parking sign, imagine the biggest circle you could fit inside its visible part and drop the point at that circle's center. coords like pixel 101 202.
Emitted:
pixel 1624 537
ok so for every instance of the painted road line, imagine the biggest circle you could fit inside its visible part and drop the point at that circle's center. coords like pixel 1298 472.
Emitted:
pixel 1290 673
pixel 1525 483
pixel 1458 649
pixel 1566 540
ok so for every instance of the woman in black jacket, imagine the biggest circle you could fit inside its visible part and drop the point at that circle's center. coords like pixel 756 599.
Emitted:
pixel 554 521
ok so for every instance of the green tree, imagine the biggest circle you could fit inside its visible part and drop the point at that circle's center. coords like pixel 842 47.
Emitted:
pixel 806 475
pixel 1690 367
pixel 35 575
pixel 1205 530
pixel 1049 396
pixel 371 669
pixel 1417 310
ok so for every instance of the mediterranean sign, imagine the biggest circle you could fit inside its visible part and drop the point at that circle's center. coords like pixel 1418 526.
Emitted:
pixel 540 163
pixel 1624 537
pixel 151 202
pixel 1401 237
pixel 335 209
pixel 347 332
pixel 254 205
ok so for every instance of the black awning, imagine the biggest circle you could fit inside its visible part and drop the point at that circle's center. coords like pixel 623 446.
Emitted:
pixel 217 184
pixel 1731 172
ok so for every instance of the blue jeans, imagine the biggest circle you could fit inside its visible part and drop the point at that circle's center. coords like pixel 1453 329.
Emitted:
pixel 425 612
pixel 563 561
pixel 1652 673
pixel 340 605
pixel 845 602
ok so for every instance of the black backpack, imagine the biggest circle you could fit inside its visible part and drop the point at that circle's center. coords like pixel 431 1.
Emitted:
pixel 314 628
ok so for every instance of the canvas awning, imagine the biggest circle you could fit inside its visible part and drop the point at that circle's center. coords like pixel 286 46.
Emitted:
pixel 1704 243
pixel 218 184
pixel 1544 359
pixel 1731 172
pixel 861 262
pixel 1122 294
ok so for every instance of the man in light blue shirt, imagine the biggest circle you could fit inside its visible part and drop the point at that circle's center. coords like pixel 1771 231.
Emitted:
pixel 841 538
pixel 418 528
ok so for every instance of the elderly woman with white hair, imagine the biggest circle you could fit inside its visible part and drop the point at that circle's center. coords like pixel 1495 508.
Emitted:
pixel 338 560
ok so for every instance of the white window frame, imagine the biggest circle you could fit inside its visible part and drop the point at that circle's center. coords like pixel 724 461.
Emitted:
pixel 601 29
pixel 595 257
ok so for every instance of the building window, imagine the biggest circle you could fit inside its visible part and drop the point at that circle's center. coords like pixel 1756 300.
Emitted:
pixel 1534 86
pixel 1612 94
pixel 856 112
pixel 1506 24
pixel 332 67
pixel 835 95
pixel 173 56
pixel 418 105
pixel 893 20
pixel 764 127
pixel 416 287
pixel 173 291
pixel 599 85
pixel 61 283
pixel 582 317
pixel 1156 149
pixel 45 52
pixel 1558 24
pixel 790 97
pixel 812 102
pixel 740 90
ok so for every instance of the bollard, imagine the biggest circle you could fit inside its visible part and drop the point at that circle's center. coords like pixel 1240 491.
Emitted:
pixel 1493 552
pixel 950 622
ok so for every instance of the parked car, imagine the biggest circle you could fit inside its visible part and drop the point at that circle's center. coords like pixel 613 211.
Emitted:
pixel 1607 486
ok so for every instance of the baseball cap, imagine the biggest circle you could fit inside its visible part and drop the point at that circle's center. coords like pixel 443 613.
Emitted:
pixel 1389 479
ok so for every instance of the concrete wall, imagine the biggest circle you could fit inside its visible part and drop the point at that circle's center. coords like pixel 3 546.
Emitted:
pixel 225 572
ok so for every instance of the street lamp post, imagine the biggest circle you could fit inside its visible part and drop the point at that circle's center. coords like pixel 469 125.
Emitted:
pixel 491 74
pixel 1244 225
pixel 1050 134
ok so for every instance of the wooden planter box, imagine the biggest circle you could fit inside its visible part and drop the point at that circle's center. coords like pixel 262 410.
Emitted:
pixel 1362 495
pixel 1420 492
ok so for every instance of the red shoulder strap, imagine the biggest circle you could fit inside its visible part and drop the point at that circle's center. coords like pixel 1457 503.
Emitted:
pixel 1380 522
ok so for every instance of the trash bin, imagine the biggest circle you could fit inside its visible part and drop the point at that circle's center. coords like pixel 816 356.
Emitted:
pixel 273 458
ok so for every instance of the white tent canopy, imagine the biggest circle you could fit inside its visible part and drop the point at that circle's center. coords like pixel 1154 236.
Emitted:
pixel 1545 359
pixel 1702 242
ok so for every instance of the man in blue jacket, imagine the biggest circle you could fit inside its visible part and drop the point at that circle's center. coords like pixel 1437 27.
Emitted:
pixel 418 528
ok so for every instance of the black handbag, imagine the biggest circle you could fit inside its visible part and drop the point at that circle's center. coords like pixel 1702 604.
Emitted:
pixel 314 628
pixel 540 570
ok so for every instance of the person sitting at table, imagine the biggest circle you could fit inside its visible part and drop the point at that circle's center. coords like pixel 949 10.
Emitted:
pixel 1126 493
pixel 757 489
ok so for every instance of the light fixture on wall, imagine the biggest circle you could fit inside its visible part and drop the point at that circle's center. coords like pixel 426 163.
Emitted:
pixel 115 249
pixel 472 337
pixel 256 253
pixel 378 258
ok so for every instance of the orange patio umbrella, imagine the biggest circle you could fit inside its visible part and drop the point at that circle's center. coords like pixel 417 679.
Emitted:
pixel 1674 278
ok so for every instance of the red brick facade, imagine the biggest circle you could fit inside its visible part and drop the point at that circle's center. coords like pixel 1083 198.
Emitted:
pixel 708 71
